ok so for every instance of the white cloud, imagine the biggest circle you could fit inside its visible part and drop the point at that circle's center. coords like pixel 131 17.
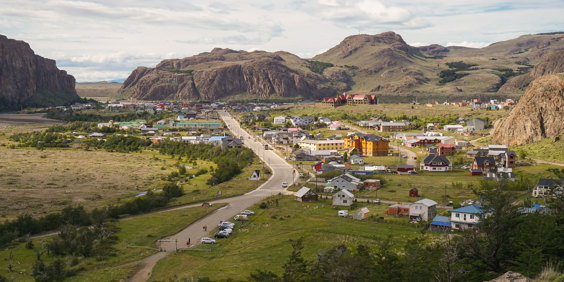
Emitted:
pixel 95 39
pixel 468 44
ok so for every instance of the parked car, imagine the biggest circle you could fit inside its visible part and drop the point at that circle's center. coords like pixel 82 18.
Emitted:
pixel 207 240
pixel 227 230
pixel 221 234
pixel 450 204
pixel 284 184
pixel 412 172
pixel 248 212
pixel 343 213
pixel 240 217
pixel 377 201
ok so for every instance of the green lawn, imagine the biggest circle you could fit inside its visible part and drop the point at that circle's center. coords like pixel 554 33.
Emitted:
pixel 546 149
pixel 262 243
pixel 136 238
pixel 196 190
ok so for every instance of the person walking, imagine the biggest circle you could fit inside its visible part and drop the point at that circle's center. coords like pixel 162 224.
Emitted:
pixel 205 228
pixel 188 243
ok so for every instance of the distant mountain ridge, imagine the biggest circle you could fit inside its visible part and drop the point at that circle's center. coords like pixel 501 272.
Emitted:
pixel 27 79
pixel 380 64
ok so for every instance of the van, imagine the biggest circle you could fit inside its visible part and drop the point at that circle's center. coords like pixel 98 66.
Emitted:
pixel 343 213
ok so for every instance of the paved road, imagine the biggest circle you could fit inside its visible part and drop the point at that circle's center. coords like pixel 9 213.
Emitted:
pixel 281 171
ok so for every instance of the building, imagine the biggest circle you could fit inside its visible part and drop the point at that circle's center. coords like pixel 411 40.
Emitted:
pixel 302 121
pixel 422 210
pixel 477 124
pixel 436 163
pixel 447 149
pixel 372 184
pixel 483 163
pixel 306 195
pixel 466 218
pixel 350 99
pixel 279 120
pixel 413 192
pixel 195 125
pixel 356 160
pixel 322 145
pixel 366 144
pixel 392 126
pixel 343 198
pixel 361 214
pixel 509 159
pixel 546 188
pixel 405 168
pixel 398 210
pixel 440 223
pixel 231 142
pixel 345 182
pixel 453 128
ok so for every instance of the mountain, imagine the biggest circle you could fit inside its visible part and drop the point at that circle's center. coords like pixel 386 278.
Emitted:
pixel 225 72
pixel 27 79
pixel 382 64
pixel 539 113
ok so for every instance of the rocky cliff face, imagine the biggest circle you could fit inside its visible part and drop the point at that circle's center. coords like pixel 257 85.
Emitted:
pixel 550 63
pixel 27 79
pixel 224 72
pixel 539 114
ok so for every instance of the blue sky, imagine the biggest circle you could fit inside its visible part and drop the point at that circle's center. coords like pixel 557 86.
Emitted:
pixel 107 39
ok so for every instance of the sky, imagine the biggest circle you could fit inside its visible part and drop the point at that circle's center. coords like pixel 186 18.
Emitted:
pixel 106 39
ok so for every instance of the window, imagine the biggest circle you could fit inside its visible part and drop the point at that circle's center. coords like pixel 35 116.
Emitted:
pixel 471 216
pixel 344 201
pixel 457 215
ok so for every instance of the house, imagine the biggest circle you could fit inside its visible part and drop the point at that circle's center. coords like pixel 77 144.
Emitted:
pixel 440 223
pixel 279 120
pixel 398 210
pixel 361 214
pixel 466 218
pixel 376 168
pixel 392 126
pixel 547 188
pixel 483 163
pixel 366 144
pixel 343 198
pixel 231 142
pixel 453 128
pixel 447 149
pixel 500 174
pixel 413 192
pixel 302 121
pixel 317 145
pixel 405 168
pixel 324 120
pixel 349 99
pixel 509 159
pixel 305 195
pixel 372 184
pixel 356 160
pixel 476 172
pixel 436 163
pixel 422 210
pixel 302 155
pixel 477 124
pixel 345 182
pixel 321 167
pixel 255 175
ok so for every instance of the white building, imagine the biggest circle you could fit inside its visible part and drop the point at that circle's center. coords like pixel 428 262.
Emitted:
pixel 453 127
pixel 466 218
pixel 279 120
pixel 422 210
pixel 343 198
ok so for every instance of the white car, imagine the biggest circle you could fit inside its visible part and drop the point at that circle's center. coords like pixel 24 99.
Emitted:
pixel 284 184
pixel 248 212
pixel 343 213
pixel 240 217
pixel 207 240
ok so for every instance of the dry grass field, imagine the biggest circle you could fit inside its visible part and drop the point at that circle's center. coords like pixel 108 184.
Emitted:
pixel 100 91
pixel 39 182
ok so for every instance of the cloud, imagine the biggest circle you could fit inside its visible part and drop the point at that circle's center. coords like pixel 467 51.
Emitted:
pixel 468 44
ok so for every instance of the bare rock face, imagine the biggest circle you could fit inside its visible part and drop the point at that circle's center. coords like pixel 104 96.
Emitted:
pixel 224 72
pixel 27 79
pixel 539 114
pixel 511 276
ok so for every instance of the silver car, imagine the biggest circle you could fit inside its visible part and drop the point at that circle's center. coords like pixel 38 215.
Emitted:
pixel 207 240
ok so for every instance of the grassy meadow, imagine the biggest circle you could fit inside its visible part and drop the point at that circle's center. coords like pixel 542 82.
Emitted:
pixel 262 242
pixel 136 240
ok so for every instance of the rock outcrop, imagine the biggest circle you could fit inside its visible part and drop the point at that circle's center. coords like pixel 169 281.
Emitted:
pixel 27 79
pixel 224 72
pixel 539 114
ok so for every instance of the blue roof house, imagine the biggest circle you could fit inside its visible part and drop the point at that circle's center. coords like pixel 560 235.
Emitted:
pixel 466 218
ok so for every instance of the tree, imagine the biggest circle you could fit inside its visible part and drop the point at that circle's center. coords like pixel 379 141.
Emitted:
pixel 296 267
pixel 264 276
pixel 345 157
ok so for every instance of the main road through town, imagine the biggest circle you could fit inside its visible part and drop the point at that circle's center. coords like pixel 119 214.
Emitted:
pixel 281 172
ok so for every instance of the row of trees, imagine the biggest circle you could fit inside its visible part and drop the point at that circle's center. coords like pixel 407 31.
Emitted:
pixel 508 240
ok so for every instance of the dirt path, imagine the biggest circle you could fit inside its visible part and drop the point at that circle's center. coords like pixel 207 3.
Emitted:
pixel 539 161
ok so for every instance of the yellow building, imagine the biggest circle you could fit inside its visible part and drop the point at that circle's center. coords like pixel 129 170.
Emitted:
pixel 321 145
pixel 367 144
